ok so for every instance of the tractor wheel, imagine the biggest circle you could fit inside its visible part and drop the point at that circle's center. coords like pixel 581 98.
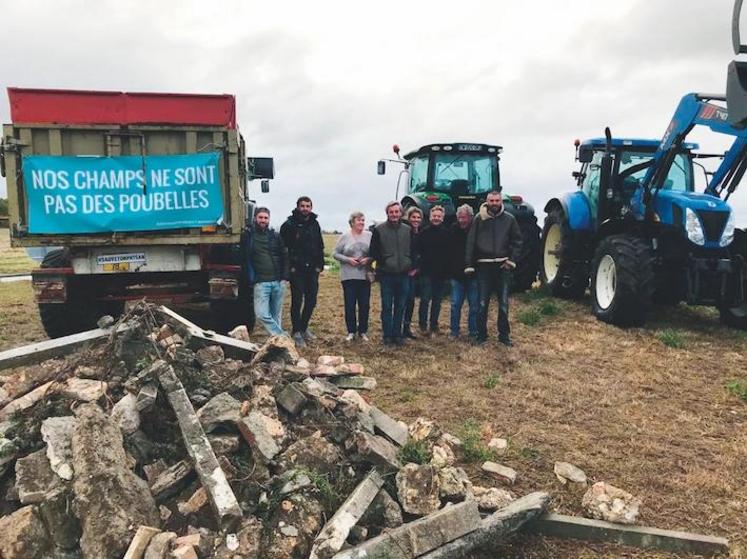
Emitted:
pixel 228 314
pixel 527 264
pixel 622 280
pixel 78 313
pixel 736 317
pixel 558 272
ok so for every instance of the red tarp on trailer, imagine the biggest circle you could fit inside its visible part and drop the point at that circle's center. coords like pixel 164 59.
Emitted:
pixel 60 106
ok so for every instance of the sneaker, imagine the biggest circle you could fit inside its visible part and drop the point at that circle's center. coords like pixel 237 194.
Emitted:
pixel 309 336
pixel 454 336
pixel 399 342
pixel 349 337
pixel 364 338
pixel 409 334
pixel 506 342
pixel 477 340
pixel 387 341
pixel 298 340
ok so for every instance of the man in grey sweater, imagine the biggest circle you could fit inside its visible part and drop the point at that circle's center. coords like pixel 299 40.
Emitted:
pixel 493 243
pixel 391 249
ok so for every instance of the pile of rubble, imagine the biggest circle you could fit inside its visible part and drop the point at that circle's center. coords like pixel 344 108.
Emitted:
pixel 158 439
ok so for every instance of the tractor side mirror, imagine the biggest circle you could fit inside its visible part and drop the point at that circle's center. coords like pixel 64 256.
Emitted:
pixel 265 186
pixel 585 154
pixel 381 168
pixel 261 168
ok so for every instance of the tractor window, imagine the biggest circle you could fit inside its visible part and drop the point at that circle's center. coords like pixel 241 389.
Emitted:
pixel 591 182
pixel 419 174
pixel 678 178
pixel 465 173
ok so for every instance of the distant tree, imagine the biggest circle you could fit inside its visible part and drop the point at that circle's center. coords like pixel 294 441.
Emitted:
pixel 3 206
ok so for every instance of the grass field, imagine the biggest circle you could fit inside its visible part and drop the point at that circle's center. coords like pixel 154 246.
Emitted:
pixel 13 260
pixel 660 411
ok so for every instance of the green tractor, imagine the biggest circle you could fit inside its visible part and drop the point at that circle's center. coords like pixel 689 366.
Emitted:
pixel 451 175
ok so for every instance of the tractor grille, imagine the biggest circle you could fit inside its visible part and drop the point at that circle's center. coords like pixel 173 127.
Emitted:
pixel 713 223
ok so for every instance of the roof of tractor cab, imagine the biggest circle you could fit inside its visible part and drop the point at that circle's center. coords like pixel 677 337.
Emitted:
pixel 461 147
pixel 642 143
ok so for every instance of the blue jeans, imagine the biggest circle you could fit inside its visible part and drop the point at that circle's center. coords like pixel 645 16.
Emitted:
pixel 268 305
pixel 461 289
pixel 431 292
pixel 492 278
pixel 357 293
pixel 394 290
pixel 413 291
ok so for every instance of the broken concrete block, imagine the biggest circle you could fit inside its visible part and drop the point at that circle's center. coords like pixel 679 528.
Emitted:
pixel 291 399
pixel 323 371
pixel 220 410
pixel 184 552
pixel 422 429
pixel 607 502
pixel 159 546
pixel 262 433
pixel 171 480
pixel 442 456
pixel 192 540
pixel 384 512
pixel 277 348
pixel 491 498
pixel 23 535
pixel 351 369
pixel 105 321
pixel 224 444
pixel 451 440
pixel 301 512
pixel 293 480
pixel 244 544
pixel 263 401
pixel 8 453
pixel 125 414
pixel 418 489
pixel 354 397
pixel 498 445
pixel 503 472
pixel 330 360
pixel 140 542
pixel 146 397
pixel 377 450
pixel 57 432
pixel 314 453
pixel 395 430
pixel 565 472
pixel 356 383
pixel 35 478
pixel 241 332
pixel 63 527
pixel 154 469
pixel 453 483
pixel 198 500
pixel 164 512
pixel 210 355
pixel 119 500
pixel 82 389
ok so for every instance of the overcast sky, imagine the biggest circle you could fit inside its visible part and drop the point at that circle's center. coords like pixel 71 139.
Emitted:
pixel 327 87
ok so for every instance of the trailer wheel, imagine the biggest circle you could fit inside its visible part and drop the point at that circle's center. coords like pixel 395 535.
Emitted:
pixel 558 272
pixel 527 265
pixel 78 313
pixel 228 314
pixel 622 280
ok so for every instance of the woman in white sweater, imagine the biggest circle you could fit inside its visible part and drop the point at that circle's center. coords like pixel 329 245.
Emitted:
pixel 352 253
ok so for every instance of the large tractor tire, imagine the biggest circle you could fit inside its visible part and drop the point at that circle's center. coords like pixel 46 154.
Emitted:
pixel 622 280
pixel 527 265
pixel 564 277
pixel 736 317
pixel 79 313
pixel 228 314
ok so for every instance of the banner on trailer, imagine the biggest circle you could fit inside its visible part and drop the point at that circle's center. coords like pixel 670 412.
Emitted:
pixel 83 194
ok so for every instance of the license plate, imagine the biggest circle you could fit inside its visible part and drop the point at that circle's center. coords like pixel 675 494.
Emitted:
pixel 117 267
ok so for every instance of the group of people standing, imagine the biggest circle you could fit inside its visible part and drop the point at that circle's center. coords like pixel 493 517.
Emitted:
pixel 474 257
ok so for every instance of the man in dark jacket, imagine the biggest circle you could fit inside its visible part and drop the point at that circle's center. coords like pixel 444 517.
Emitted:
pixel 267 269
pixel 303 237
pixel 434 269
pixel 493 243
pixel 391 249
pixel 462 286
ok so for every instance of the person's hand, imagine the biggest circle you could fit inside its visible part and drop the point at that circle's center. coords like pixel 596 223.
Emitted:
pixel 318 270
pixel 355 261
pixel 364 261
pixel 469 271
pixel 412 273
pixel 508 265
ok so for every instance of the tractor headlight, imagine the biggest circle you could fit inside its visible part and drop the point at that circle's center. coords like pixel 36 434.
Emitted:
pixel 728 235
pixel 694 228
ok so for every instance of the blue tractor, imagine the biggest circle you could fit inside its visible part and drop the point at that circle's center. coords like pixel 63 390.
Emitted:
pixel 636 231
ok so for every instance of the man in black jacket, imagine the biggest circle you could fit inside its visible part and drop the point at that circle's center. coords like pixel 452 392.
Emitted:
pixel 303 237
pixel 434 270
pixel 493 243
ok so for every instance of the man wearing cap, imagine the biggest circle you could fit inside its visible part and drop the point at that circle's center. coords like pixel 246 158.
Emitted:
pixel 493 243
